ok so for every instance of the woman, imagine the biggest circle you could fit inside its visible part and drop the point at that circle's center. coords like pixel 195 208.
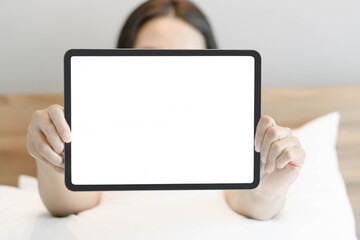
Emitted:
pixel 166 24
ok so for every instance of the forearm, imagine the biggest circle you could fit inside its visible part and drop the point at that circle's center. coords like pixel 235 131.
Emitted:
pixel 252 204
pixel 57 198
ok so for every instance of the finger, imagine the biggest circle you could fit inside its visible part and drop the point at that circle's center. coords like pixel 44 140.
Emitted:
pixel 272 134
pixel 276 149
pixel 52 136
pixel 262 170
pixel 56 114
pixel 38 156
pixel 44 149
pixel 291 155
pixel 32 150
pixel 55 168
pixel 264 123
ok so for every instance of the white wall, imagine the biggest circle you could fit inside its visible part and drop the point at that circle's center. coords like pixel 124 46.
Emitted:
pixel 303 43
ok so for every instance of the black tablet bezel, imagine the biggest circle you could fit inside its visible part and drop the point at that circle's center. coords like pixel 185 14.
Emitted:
pixel 152 52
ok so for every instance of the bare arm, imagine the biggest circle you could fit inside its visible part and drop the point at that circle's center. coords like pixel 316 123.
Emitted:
pixel 57 198
pixel 47 133
pixel 281 160
pixel 251 204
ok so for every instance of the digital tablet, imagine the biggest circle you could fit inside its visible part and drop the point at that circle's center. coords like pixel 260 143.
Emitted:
pixel 161 119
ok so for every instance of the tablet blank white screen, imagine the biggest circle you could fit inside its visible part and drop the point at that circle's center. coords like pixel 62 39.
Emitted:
pixel 162 119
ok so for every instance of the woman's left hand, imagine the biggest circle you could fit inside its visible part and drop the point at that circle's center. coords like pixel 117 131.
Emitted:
pixel 281 156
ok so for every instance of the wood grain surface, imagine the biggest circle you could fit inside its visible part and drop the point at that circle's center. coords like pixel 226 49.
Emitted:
pixel 288 106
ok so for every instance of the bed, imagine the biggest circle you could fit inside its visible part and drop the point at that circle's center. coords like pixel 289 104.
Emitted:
pixel 290 107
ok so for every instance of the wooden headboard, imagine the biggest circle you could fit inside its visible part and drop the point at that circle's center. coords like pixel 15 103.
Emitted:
pixel 288 106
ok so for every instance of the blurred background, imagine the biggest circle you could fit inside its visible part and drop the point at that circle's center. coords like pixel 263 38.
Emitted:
pixel 303 43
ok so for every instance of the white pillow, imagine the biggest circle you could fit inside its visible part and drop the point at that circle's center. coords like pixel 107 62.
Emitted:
pixel 317 207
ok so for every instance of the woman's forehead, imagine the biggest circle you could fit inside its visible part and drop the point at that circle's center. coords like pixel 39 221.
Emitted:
pixel 169 32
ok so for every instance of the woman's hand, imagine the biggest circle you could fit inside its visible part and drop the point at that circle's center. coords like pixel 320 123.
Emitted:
pixel 281 159
pixel 47 132
pixel 281 155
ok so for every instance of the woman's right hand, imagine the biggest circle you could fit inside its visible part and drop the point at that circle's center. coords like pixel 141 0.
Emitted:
pixel 46 134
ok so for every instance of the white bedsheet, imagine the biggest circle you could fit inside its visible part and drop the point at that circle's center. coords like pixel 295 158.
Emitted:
pixel 317 207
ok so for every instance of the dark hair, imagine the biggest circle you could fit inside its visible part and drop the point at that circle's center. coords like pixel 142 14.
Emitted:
pixel 183 9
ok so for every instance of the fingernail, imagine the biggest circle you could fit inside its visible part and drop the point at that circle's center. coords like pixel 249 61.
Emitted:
pixel 67 136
